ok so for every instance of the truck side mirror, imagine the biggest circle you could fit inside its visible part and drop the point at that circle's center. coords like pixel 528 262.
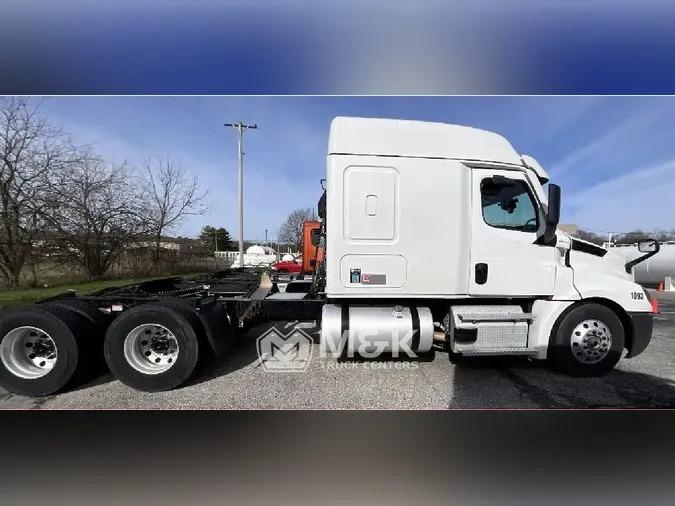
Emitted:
pixel 552 215
pixel 648 246
pixel 316 237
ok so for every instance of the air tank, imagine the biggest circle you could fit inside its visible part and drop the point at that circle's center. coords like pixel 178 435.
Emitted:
pixel 652 271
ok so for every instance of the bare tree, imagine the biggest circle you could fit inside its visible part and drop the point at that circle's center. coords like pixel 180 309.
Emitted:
pixel 631 237
pixel 291 230
pixel 171 194
pixel 585 235
pixel 664 235
pixel 95 214
pixel 30 151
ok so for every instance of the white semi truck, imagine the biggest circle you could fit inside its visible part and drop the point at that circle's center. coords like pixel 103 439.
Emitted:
pixel 432 232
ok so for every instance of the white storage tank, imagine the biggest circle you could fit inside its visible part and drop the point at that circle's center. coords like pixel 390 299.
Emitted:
pixel 654 270
pixel 255 250
pixel 257 256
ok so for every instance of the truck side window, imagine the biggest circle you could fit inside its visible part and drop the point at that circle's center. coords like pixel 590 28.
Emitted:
pixel 508 203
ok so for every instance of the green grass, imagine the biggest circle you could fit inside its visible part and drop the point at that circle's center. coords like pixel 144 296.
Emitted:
pixel 26 296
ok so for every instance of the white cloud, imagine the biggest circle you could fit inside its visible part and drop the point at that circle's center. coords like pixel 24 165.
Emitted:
pixel 546 116
pixel 620 138
pixel 640 199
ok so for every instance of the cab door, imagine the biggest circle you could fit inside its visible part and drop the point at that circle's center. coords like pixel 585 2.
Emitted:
pixel 506 220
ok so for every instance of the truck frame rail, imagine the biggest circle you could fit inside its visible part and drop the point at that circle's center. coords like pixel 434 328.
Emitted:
pixel 58 342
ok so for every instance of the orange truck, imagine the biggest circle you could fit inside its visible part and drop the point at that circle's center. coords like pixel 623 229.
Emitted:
pixel 309 251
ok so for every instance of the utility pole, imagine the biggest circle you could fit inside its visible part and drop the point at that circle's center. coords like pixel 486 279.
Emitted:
pixel 265 237
pixel 240 130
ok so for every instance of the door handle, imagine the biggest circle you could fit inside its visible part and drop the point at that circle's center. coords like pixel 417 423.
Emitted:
pixel 481 274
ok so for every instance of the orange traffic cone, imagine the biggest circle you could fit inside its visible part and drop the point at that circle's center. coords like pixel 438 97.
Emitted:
pixel 660 287
pixel 655 305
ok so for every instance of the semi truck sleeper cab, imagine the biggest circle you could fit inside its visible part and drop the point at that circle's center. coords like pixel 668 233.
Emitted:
pixel 448 228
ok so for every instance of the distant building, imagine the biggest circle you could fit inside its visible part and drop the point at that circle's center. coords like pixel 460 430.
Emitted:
pixel 178 244
pixel 569 229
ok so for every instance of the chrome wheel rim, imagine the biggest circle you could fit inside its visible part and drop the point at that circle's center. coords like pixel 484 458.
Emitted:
pixel 591 341
pixel 28 352
pixel 151 349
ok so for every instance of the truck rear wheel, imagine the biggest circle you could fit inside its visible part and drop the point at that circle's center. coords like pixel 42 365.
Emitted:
pixel 92 347
pixel 153 347
pixel 44 349
pixel 83 307
pixel 588 341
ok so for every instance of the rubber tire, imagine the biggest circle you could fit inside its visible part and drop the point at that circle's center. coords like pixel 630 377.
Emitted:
pixel 206 352
pixel 173 318
pixel 71 333
pixel 85 308
pixel 560 354
pixel 100 323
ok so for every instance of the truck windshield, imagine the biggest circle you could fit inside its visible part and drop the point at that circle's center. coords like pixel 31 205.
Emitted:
pixel 509 205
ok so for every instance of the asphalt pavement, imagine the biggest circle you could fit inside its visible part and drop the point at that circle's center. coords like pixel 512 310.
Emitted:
pixel 239 381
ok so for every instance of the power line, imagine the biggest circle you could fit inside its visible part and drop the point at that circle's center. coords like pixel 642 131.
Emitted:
pixel 186 109
pixel 272 154
pixel 198 118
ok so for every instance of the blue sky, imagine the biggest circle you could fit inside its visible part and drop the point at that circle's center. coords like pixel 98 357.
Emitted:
pixel 613 156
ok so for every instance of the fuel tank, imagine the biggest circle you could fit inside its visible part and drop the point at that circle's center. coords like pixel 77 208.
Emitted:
pixel 376 329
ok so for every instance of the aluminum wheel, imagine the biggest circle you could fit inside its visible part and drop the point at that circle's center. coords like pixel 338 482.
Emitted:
pixel 151 349
pixel 591 341
pixel 28 352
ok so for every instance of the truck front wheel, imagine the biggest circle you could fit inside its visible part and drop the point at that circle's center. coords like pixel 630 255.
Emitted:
pixel 588 341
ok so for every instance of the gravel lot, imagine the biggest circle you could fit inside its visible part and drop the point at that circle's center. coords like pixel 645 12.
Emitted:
pixel 238 381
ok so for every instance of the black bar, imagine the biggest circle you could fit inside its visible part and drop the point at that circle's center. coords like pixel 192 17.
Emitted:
pixel 282 310
pixel 344 329
pixel 414 314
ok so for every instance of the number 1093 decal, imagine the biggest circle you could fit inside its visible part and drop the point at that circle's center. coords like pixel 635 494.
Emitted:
pixel 637 295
